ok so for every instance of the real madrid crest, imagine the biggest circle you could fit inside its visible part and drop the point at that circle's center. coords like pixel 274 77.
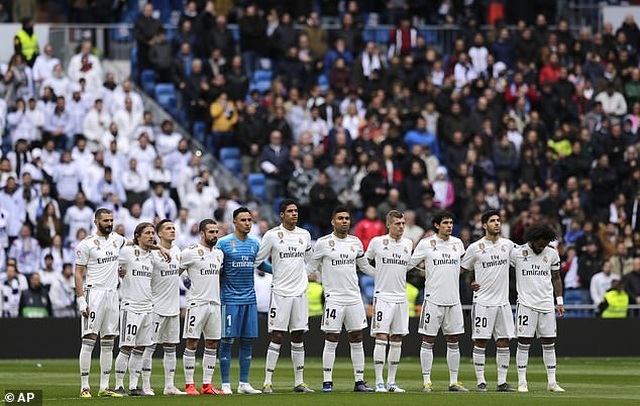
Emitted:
pixel 280 235
pixel 433 244
pixel 300 241
pixel 545 259
pixel 503 249
pixel 525 253
pixel 97 244
pixel 454 248
pixel 482 247
pixel 332 243
pixel 406 250
pixel 115 245
pixel 385 242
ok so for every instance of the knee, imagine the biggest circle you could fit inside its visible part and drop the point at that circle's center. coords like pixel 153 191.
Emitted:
pixel 296 336
pixel 451 339
pixel 227 341
pixel 277 337
pixel 333 337
pixel 355 337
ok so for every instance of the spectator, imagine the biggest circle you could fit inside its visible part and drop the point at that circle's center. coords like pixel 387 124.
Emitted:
pixel 26 250
pixel 59 254
pixel 200 204
pixel 62 293
pixel 317 35
pixel 35 302
pixel 95 124
pixel 252 136
pixel 252 31
pixel 443 192
pixel 48 225
pixel 161 57
pixel 323 200
pixel 25 43
pixel 78 217
pixel 14 208
pixel 13 284
pixel 601 282
pixel 370 226
pixel 613 102
pixel 145 30
pixel 222 38
pixel 632 282
pixel 159 205
pixel 225 116
pixel 273 163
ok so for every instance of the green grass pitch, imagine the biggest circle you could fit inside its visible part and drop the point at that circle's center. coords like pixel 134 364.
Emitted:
pixel 588 381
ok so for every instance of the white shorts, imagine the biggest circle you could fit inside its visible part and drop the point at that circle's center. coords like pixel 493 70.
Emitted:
pixel 434 316
pixel 104 308
pixel 491 321
pixel 352 316
pixel 202 320
pixel 136 328
pixel 390 318
pixel 532 323
pixel 288 313
pixel 166 329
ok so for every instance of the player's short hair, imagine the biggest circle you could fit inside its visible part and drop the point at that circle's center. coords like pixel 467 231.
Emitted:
pixel 540 231
pixel 139 229
pixel 239 211
pixel 439 216
pixel 340 209
pixel 100 212
pixel 161 224
pixel 394 214
pixel 286 203
pixel 488 214
pixel 48 256
pixel 204 223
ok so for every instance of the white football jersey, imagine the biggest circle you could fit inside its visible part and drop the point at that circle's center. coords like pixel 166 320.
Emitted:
pixel 392 260
pixel 490 262
pixel 165 283
pixel 442 268
pixel 289 252
pixel 533 276
pixel 203 267
pixel 135 286
pixel 337 259
pixel 100 256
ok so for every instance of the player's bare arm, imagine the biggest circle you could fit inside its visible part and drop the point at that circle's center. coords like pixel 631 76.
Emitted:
pixel 556 280
pixel 83 307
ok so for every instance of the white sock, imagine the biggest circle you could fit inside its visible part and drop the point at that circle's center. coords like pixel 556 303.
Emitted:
pixel 189 362
pixel 169 363
pixel 522 359
pixel 478 363
pixel 106 362
pixel 273 352
pixel 379 353
pixel 426 361
pixel 122 360
pixel 549 359
pixel 453 362
pixel 208 364
pixel 135 365
pixel 328 359
pixel 147 359
pixel 84 359
pixel 503 357
pixel 297 357
pixel 357 359
pixel 393 359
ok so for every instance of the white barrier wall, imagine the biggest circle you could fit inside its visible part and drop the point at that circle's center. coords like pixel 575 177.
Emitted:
pixel 615 14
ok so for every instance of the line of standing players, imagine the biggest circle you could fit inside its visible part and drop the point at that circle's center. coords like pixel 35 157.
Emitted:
pixel 132 287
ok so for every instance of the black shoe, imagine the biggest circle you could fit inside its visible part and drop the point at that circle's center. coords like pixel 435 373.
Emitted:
pixel 505 387
pixel 136 392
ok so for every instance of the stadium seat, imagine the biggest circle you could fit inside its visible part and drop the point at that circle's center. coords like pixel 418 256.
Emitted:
pixel 323 82
pixel 165 95
pixel 382 36
pixel 256 183
pixel 133 60
pixel 368 35
pixel 122 33
pixel 575 297
pixel 261 86
pixel 199 131
pixel 148 81
pixel 276 205
pixel 229 153
pixel 261 75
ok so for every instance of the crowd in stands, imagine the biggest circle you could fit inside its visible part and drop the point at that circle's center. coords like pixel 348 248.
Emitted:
pixel 537 121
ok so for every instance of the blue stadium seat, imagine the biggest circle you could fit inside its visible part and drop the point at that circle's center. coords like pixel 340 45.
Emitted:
pixel 323 82
pixel 382 36
pixel 256 183
pixel 262 74
pixel 133 60
pixel 234 165
pixel 165 95
pixel 229 153
pixel 575 297
pixel 276 206
pixel 122 34
pixel 199 131
pixel 368 35
pixel 261 86
pixel 148 81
